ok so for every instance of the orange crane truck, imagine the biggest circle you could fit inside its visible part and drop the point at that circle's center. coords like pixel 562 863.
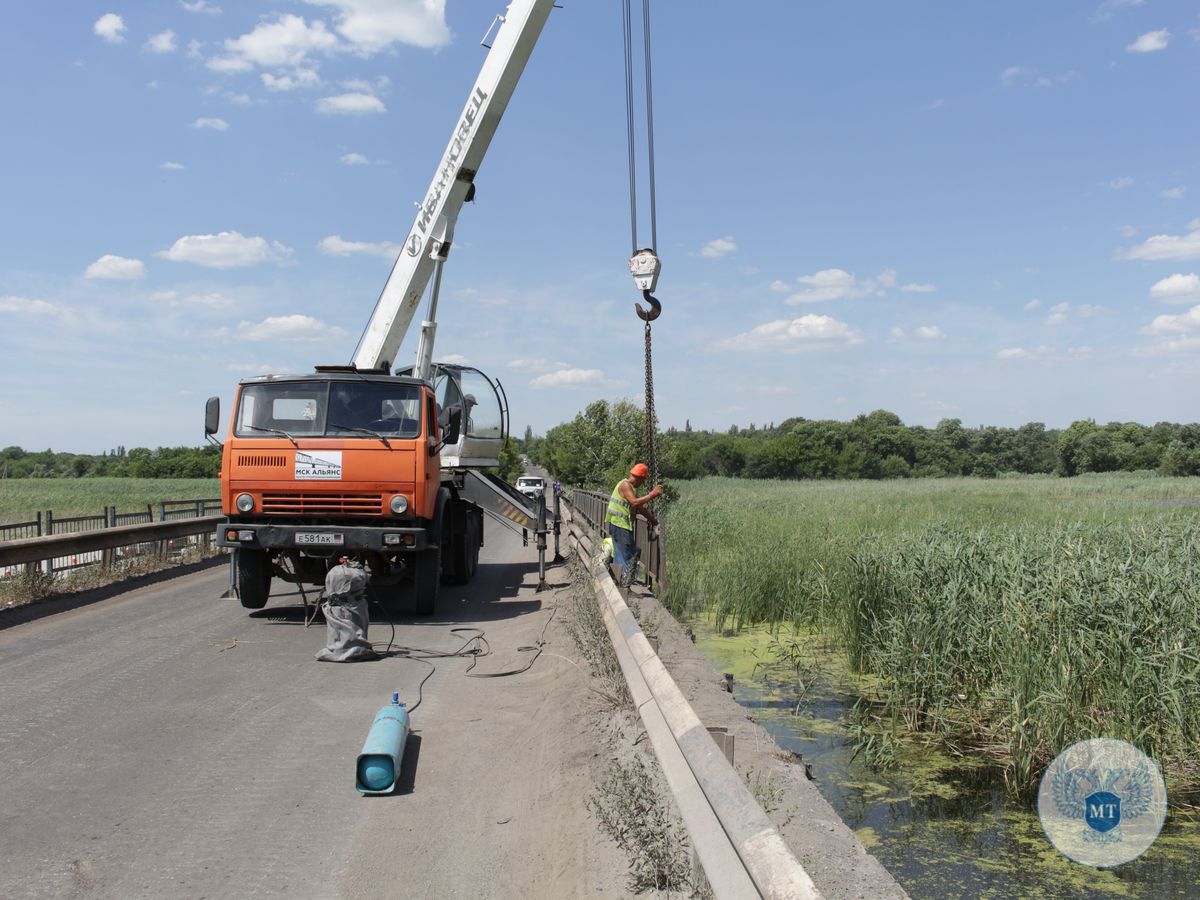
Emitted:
pixel 353 460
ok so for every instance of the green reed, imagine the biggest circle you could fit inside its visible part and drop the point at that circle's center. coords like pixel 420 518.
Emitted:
pixel 1007 617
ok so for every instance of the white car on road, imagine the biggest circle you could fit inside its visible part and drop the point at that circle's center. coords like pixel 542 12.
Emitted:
pixel 531 486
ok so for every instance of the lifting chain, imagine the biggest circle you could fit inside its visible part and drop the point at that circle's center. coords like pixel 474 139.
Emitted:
pixel 649 444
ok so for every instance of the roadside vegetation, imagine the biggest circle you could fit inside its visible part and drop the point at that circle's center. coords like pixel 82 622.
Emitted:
pixel 1006 617
pixel 22 498
pixel 140 462
pixel 599 444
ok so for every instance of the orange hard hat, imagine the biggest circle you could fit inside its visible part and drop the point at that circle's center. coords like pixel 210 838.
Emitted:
pixel 641 470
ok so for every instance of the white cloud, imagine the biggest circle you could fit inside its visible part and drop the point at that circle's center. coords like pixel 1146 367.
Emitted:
pixel 286 41
pixel 172 166
pixel 373 25
pixel 227 250
pixel 809 332
pixel 354 159
pixel 454 359
pixel 570 378
pixel 534 364
pixel 210 300
pixel 917 288
pixel 193 49
pixel 1168 246
pixel 1150 42
pixel 1014 74
pixel 163 42
pixel 1027 76
pixel 1119 184
pixel 1175 193
pixel 896 334
pixel 1033 304
pixel 214 124
pixel 1187 323
pixel 115 268
pixel 335 246
pixel 287 328
pixel 1108 7
pixel 838 284
pixel 228 64
pixel 780 287
pixel 1013 353
pixel 201 6
pixel 297 79
pixel 1177 288
pixel 719 247
pixel 111 28
pixel 1060 312
pixel 930 333
pixel 25 306
pixel 1129 230
pixel 250 368
pixel 353 104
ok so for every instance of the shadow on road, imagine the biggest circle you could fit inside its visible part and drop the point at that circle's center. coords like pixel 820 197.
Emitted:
pixel 59 603
pixel 491 596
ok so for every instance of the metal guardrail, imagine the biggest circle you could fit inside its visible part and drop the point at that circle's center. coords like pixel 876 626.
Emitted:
pixel 57 547
pixel 738 847
pixel 593 506
pixel 47 524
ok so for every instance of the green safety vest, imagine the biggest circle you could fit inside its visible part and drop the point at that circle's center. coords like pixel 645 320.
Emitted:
pixel 618 510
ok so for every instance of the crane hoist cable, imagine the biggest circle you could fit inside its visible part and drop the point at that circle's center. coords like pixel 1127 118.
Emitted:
pixel 644 263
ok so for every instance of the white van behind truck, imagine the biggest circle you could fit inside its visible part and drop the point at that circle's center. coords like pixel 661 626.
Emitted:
pixel 531 486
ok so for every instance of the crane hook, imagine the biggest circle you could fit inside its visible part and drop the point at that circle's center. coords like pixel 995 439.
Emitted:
pixel 648 315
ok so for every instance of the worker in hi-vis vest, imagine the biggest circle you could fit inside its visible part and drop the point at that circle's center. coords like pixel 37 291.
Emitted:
pixel 623 506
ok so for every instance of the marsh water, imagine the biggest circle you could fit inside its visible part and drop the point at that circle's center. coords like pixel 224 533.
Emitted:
pixel 942 825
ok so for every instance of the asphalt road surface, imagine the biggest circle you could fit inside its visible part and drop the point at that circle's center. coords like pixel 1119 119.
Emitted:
pixel 167 743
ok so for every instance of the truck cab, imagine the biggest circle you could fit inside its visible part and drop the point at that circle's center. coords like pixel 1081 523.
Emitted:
pixel 342 462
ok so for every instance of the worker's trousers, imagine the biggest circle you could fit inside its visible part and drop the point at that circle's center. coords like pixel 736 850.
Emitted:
pixel 625 553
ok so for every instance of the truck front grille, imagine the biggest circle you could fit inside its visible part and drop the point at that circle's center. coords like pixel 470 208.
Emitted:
pixel 261 460
pixel 291 503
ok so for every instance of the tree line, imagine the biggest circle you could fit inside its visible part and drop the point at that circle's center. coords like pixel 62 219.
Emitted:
pixel 139 462
pixel 163 462
pixel 597 447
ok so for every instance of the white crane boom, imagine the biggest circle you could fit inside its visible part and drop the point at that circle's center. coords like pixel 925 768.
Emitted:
pixel 429 240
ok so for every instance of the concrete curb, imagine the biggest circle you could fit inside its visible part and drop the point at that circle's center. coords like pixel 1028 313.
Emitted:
pixel 741 851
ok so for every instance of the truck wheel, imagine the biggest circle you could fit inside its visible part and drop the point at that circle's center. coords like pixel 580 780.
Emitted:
pixel 458 559
pixel 474 536
pixel 253 578
pixel 427 576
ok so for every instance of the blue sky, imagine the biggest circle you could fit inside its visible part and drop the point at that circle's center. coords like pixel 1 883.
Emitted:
pixel 982 211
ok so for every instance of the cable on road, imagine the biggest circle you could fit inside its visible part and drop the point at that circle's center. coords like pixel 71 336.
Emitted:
pixel 475 647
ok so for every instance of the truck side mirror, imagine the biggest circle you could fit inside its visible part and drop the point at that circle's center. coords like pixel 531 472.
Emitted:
pixel 212 416
pixel 452 429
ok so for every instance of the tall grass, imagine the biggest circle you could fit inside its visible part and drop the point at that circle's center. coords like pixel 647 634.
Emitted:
pixel 22 498
pixel 1012 617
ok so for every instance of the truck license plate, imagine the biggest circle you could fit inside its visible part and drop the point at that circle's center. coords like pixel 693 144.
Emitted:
pixel 319 537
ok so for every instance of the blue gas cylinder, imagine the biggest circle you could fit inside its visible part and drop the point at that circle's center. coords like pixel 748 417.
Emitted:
pixel 379 762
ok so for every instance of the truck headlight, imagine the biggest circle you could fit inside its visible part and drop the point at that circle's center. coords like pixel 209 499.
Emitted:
pixel 244 503
pixel 399 504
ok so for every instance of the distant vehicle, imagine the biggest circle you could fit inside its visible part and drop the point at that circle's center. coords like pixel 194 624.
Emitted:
pixel 531 485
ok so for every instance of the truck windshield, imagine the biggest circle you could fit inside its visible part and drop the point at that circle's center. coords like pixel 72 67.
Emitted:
pixel 329 408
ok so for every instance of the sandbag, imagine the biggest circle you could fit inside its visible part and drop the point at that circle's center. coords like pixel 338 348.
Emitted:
pixel 347 616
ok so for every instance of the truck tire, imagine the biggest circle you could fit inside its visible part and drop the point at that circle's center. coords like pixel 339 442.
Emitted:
pixel 474 539
pixel 253 578
pixel 458 558
pixel 427 576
